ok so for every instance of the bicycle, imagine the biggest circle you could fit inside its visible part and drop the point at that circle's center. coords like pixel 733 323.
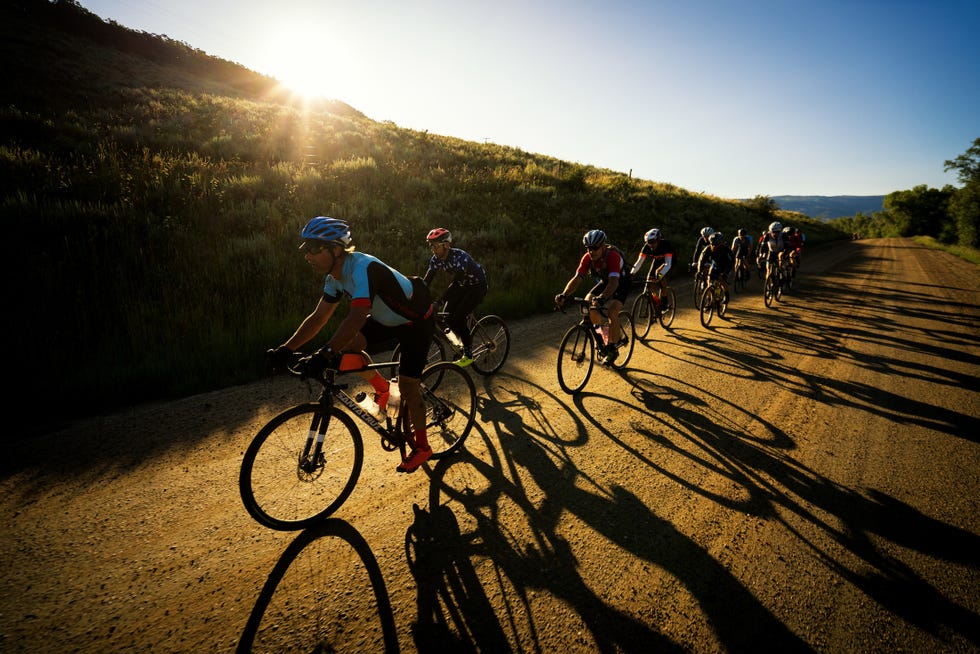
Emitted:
pixel 490 343
pixel 742 273
pixel 576 353
pixel 304 463
pixel 773 287
pixel 713 300
pixel 651 305
pixel 700 283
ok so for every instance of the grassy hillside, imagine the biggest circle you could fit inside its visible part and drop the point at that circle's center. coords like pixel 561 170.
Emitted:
pixel 154 197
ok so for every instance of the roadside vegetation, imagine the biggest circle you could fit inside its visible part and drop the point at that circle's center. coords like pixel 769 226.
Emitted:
pixel 152 198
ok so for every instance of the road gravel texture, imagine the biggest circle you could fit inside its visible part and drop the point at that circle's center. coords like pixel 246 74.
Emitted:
pixel 801 478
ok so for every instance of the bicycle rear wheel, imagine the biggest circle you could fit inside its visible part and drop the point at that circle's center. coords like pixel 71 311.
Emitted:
pixel 491 344
pixel 576 357
pixel 629 334
pixel 707 306
pixel 285 483
pixel 668 307
pixel 449 398
pixel 642 314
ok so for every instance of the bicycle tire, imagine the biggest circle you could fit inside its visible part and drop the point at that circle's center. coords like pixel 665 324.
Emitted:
pixel 768 292
pixel 707 309
pixel 778 288
pixel 450 407
pixel 576 358
pixel 642 314
pixel 629 333
pixel 721 308
pixel 668 308
pixel 491 344
pixel 699 285
pixel 279 492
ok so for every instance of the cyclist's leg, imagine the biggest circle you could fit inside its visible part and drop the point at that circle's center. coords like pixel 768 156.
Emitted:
pixel 614 306
pixel 414 341
pixel 465 303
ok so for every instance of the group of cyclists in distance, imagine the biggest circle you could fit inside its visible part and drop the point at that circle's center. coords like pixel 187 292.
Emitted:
pixel 388 307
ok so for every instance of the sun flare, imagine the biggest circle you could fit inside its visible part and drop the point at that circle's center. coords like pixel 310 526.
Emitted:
pixel 304 60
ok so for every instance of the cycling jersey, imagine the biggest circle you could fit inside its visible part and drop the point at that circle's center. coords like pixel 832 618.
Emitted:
pixel 721 257
pixel 369 282
pixel 701 244
pixel 770 246
pixel 464 269
pixel 741 245
pixel 611 265
pixel 664 251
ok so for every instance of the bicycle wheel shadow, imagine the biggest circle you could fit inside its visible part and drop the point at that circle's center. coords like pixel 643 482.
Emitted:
pixel 303 575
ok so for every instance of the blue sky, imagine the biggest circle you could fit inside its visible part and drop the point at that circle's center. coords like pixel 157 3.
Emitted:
pixel 735 99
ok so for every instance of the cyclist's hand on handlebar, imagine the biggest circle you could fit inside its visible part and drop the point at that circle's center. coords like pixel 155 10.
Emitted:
pixel 314 364
pixel 597 301
pixel 278 358
pixel 560 300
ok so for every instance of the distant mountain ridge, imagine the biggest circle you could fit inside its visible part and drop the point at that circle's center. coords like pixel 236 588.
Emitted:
pixel 830 206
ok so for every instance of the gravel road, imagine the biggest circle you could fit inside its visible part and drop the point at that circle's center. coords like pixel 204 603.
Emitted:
pixel 802 478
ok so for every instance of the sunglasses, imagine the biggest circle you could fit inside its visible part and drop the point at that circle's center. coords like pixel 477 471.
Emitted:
pixel 314 247
pixel 436 246
pixel 592 248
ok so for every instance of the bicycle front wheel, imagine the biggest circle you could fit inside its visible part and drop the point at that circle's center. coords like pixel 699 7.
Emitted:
pixel 707 306
pixel 699 286
pixel 449 398
pixel 769 291
pixel 668 307
pixel 491 344
pixel 627 340
pixel 576 357
pixel 642 314
pixel 287 481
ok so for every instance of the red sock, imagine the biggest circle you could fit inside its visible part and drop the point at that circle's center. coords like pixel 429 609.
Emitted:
pixel 379 383
pixel 421 441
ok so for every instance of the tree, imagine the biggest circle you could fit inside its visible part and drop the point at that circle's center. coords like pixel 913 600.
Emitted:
pixel 967 164
pixel 921 211
pixel 964 205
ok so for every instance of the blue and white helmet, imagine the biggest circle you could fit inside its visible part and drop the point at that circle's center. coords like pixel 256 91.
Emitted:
pixel 328 230
pixel 652 235
pixel 706 232
pixel 594 238
pixel 776 227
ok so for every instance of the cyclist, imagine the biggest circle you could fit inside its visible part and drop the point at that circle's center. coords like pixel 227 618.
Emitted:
pixel 658 249
pixel 385 305
pixel 464 294
pixel 701 243
pixel 772 245
pixel 796 245
pixel 607 265
pixel 742 250
pixel 718 260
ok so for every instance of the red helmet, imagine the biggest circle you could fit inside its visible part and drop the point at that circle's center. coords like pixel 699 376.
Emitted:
pixel 439 235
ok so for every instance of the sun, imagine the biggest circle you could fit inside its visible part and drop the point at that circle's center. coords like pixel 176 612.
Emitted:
pixel 302 59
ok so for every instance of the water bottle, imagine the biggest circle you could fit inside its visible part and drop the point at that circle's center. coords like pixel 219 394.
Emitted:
pixel 367 403
pixel 394 399
pixel 453 338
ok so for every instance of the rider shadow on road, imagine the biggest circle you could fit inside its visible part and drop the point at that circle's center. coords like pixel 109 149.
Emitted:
pixel 527 531
pixel 287 615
